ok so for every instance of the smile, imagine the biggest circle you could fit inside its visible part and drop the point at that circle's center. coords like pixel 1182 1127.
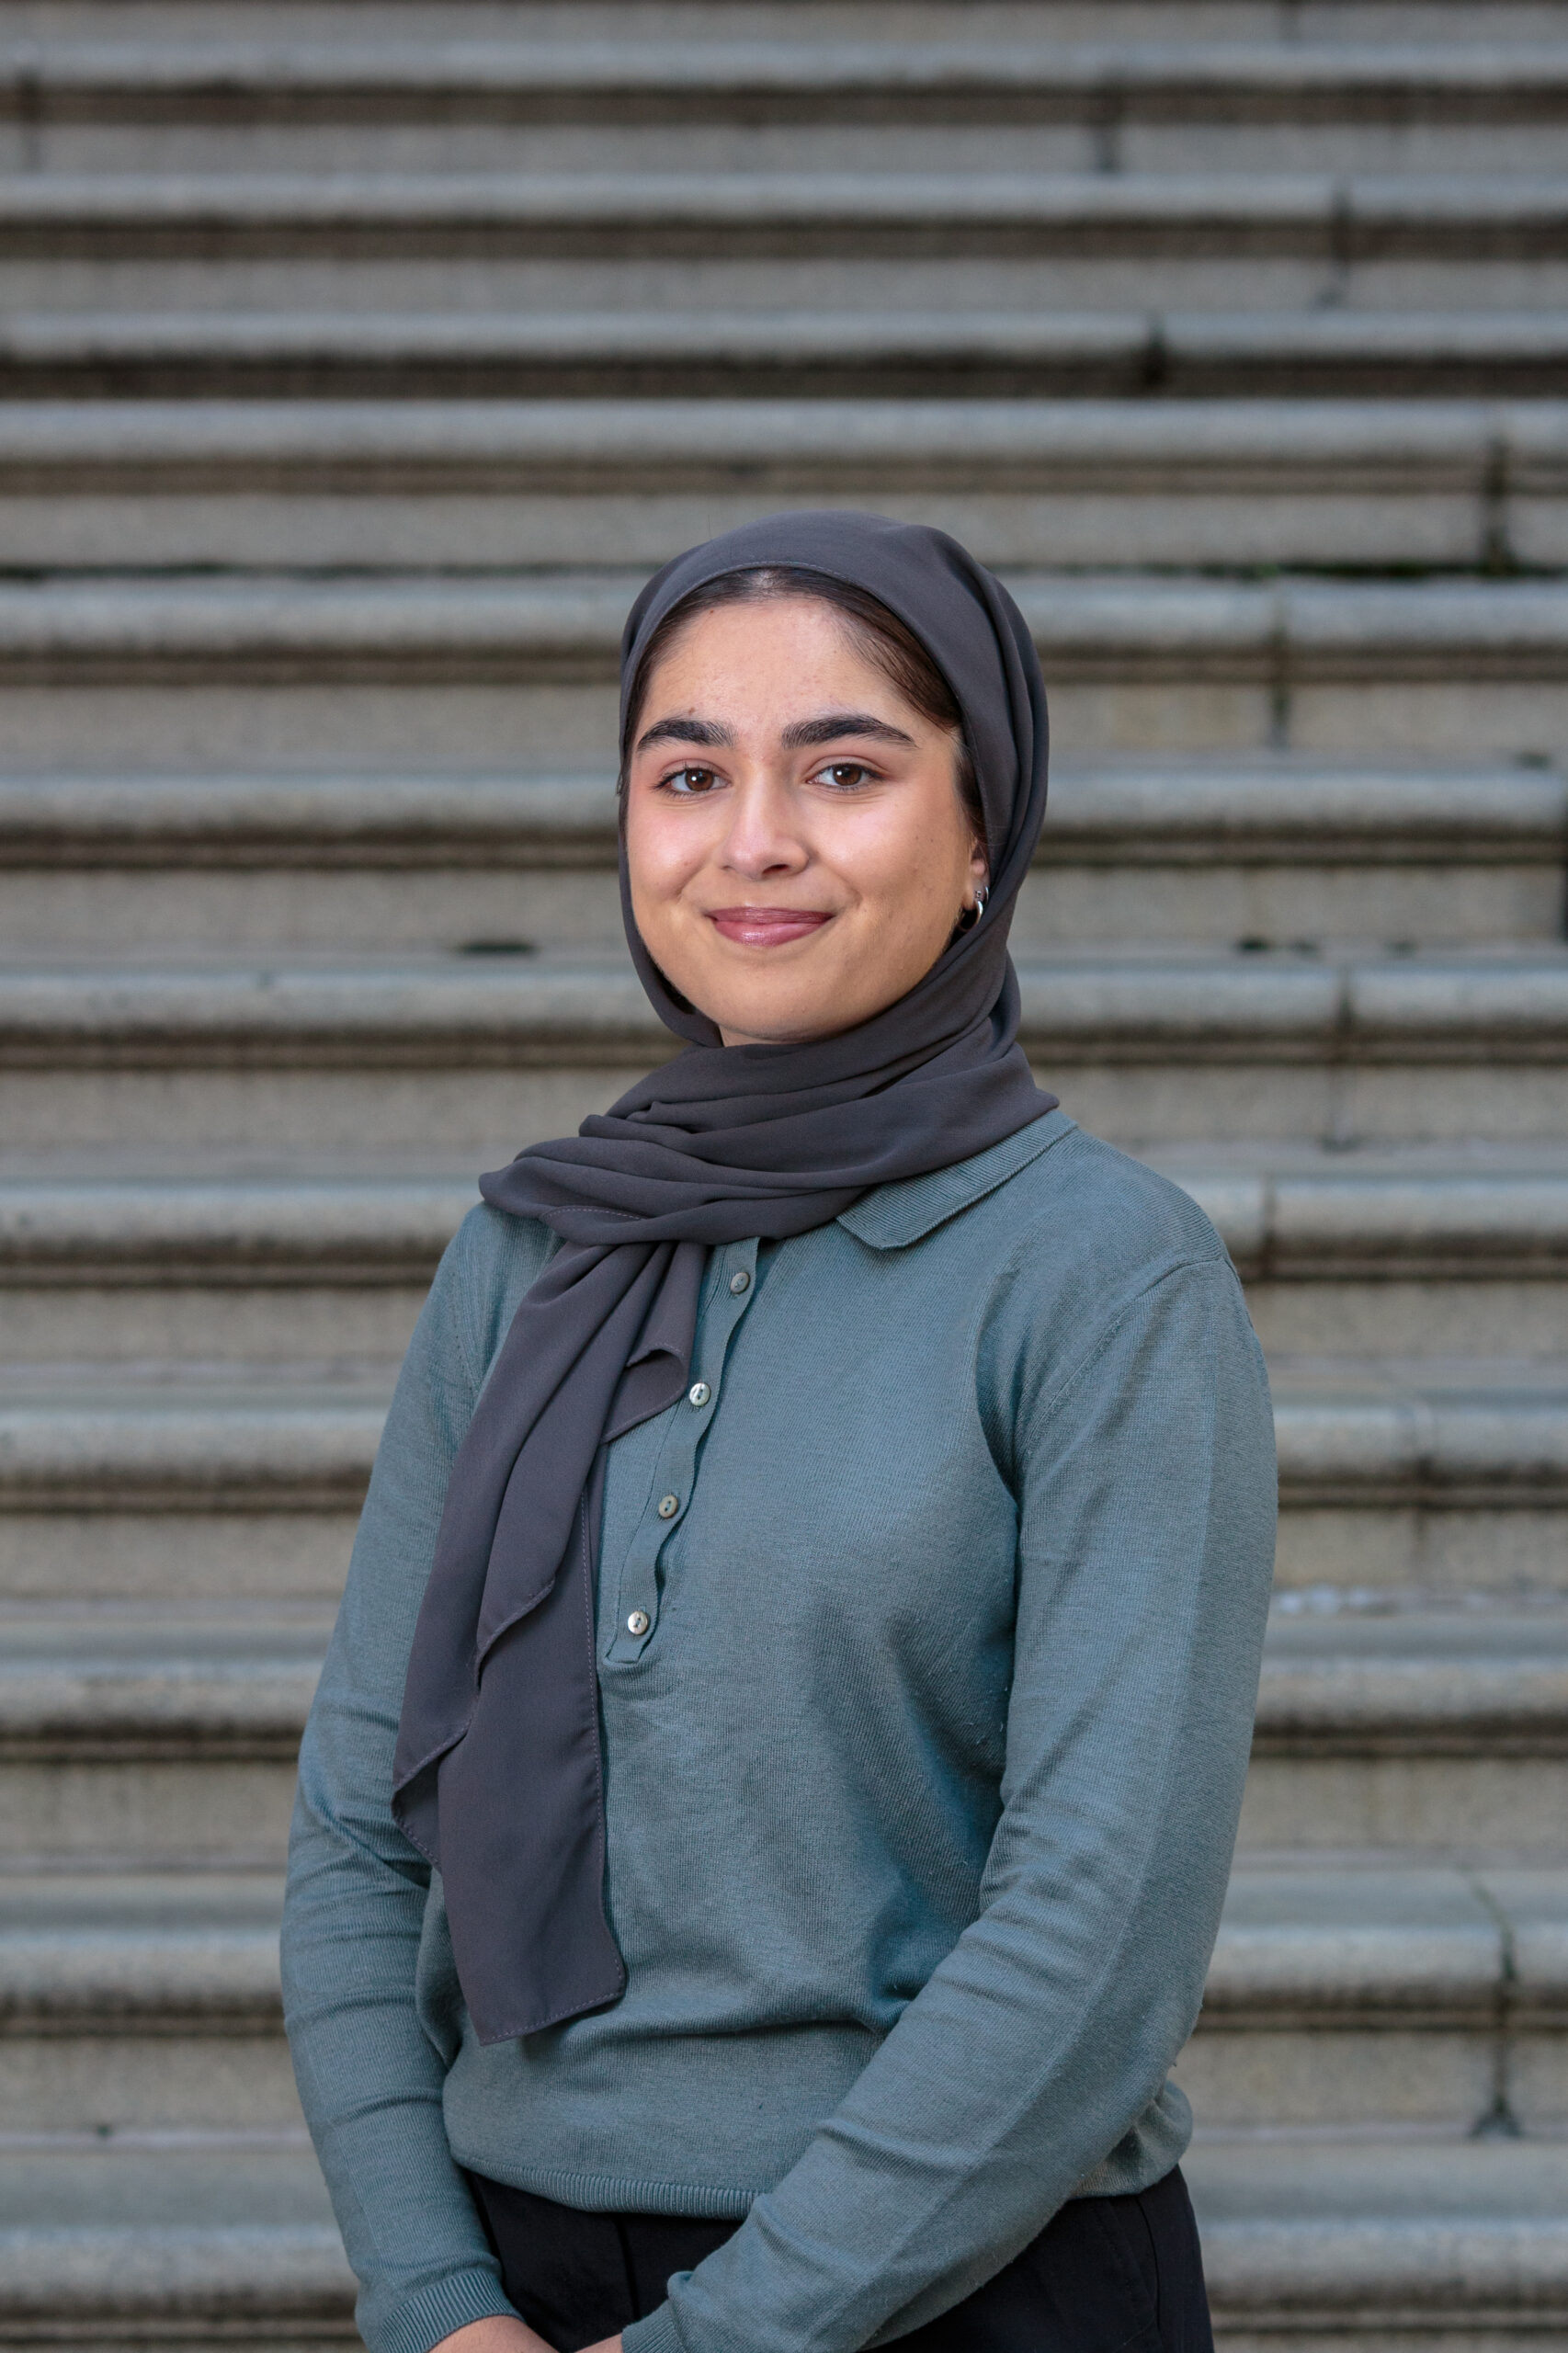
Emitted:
pixel 766 927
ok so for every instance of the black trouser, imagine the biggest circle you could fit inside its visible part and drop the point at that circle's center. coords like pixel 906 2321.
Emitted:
pixel 1106 2275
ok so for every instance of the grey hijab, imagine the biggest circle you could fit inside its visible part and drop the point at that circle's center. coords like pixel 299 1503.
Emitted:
pixel 497 1776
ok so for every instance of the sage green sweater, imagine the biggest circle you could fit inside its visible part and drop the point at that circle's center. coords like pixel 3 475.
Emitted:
pixel 922 1776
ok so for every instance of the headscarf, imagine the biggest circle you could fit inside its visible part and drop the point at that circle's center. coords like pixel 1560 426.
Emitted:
pixel 497 1774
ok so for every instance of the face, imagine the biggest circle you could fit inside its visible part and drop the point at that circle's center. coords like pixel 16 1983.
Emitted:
pixel 796 849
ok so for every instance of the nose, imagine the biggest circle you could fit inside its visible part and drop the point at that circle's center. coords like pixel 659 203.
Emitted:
pixel 763 840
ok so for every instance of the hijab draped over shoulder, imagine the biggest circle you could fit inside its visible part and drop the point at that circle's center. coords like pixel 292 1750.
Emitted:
pixel 497 1776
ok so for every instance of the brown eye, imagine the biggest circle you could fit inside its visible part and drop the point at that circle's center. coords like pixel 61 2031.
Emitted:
pixel 690 781
pixel 845 775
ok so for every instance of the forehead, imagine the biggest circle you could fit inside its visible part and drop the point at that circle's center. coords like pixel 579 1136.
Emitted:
pixel 771 657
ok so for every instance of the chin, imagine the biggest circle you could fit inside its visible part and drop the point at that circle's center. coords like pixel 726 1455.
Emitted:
pixel 777 1029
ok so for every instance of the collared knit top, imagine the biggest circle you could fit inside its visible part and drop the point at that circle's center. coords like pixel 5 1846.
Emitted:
pixel 928 1624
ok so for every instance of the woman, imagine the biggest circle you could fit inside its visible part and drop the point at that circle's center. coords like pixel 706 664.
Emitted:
pixel 809 1600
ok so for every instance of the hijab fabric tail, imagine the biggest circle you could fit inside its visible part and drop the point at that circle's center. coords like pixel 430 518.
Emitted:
pixel 508 1613
pixel 497 1775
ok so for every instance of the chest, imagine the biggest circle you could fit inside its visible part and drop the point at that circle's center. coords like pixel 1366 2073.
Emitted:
pixel 824 1494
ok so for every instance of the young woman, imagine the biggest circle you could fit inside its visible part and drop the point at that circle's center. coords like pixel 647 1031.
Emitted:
pixel 763 1826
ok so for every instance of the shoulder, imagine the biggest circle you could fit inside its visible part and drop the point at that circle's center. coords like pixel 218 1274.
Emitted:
pixel 490 1262
pixel 1080 1238
pixel 1104 1207
pixel 1051 1218
pixel 1058 1215
pixel 1100 1261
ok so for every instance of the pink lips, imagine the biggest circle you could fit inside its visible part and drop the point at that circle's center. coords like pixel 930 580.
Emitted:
pixel 766 927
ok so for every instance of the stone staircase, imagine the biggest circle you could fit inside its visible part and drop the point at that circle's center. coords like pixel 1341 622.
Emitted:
pixel 354 365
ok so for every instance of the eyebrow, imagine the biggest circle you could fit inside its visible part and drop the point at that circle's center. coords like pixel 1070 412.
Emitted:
pixel 835 724
pixel 685 730
pixel 828 728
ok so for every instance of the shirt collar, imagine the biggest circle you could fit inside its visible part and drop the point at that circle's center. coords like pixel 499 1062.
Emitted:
pixel 895 1215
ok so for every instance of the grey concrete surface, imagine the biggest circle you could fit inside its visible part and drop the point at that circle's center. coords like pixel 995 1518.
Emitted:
pixel 404 484
pixel 350 374
pixel 954 350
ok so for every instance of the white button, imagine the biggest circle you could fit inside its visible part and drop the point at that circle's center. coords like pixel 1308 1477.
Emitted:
pixel 638 1622
pixel 668 1507
pixel 699 1394
pixel 740 1281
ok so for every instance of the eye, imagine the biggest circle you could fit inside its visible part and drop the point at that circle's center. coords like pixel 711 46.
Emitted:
pixel 686 781
pixel 844 775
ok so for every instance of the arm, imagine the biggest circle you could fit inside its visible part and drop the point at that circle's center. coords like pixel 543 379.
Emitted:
pixel 369 2079
pixel 1146 1496
pixel 501 2336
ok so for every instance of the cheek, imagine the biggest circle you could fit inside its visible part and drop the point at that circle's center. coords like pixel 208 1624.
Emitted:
pixel 660 857
pixel 904 866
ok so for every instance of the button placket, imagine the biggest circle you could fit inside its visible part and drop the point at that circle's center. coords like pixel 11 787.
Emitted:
pixel 674 1472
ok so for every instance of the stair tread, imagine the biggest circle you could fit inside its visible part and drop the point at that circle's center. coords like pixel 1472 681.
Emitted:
pixel 1353 1422
pixel 706 70
pixel 1210 810
pixel 1087 624
pixel 1442 2226
pixel 138 1949
pixel 1239 199
pixel 1152 352
pixel 195 2224
pixel 1277 1211
pixel 1386 1934
pixel 932 441
pixel 1037 333
pixel 1422 1664
pixel 1508 1002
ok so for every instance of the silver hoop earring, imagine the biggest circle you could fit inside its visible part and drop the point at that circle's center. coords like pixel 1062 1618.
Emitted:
pixel 970 913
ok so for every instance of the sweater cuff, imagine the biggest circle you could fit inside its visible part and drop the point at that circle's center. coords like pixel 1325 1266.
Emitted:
pixel 656 2333
pixel 447 2304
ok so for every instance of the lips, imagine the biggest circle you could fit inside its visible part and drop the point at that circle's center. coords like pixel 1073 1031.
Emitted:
pixel 766 927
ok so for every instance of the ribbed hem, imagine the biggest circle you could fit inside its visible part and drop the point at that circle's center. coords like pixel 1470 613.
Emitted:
pixel 615 2193
pixel 447 2304
pixel 656 2335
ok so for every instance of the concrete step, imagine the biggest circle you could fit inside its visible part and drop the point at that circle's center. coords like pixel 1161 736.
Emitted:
pixel 197 2241
pixel 231 1484
pixel 471 674
pixel 220 1269
pixel 1435 1730
pixel 310 23
pixel 952 352
pixel 216 102
pixel 1353 2241
pixel 146 2002
pixel 798 83
pixel 973 238
pixel 143 1737
pixel 481 1052
pixel 1343 218
pixel 1386 1994
pixel 1267 851
pixel 1361 1255
pixel 159 1737
pixel 411 486
pixel 225 1480
pixel 432 674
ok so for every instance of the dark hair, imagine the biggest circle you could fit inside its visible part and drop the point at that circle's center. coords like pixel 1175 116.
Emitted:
pixel 886 642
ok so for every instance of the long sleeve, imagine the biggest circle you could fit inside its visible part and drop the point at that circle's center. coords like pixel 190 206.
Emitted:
pixel 369 2079
pixel 1144 1476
